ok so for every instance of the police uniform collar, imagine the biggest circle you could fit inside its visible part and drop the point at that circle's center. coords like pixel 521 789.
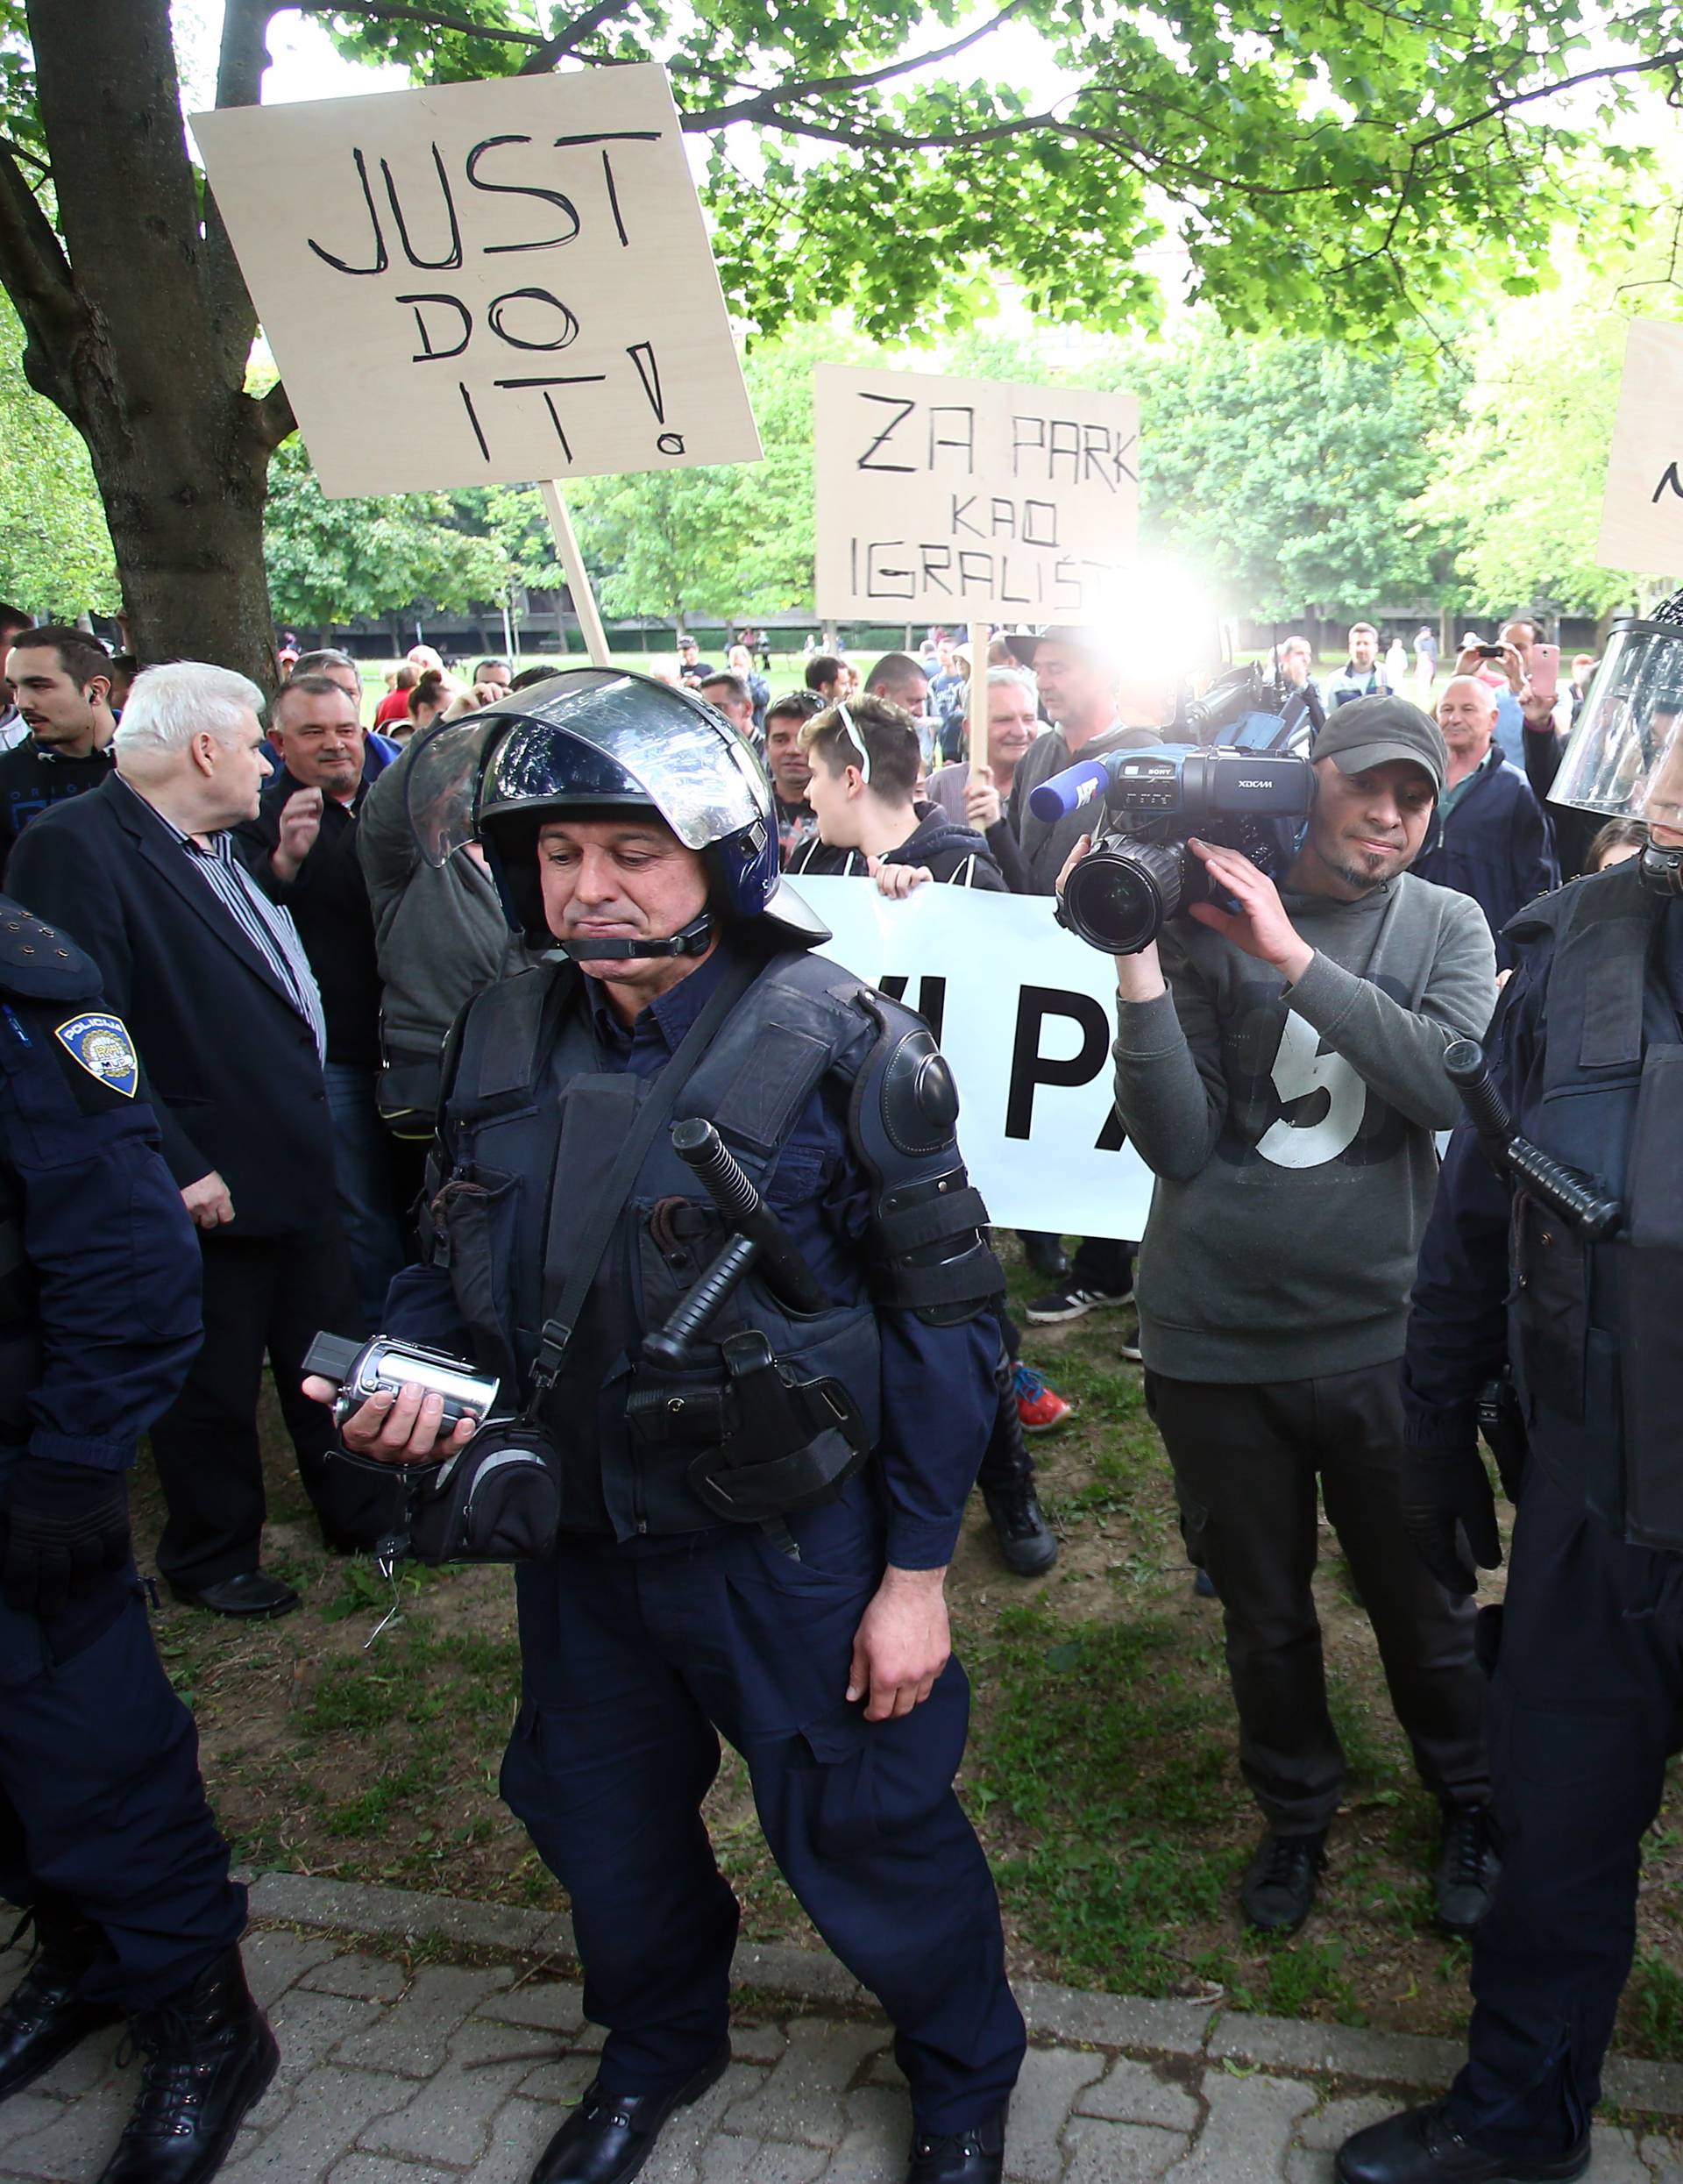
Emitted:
pixel 672 1012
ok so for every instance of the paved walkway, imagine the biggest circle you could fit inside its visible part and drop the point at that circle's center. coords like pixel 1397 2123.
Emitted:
pixel 463 2064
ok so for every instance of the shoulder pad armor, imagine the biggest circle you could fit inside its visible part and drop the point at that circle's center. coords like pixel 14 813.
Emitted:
pixel 929 1248
pixel 37 963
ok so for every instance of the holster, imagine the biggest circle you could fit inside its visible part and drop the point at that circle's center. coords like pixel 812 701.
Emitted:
pixel 770 1444
pixel 498 1500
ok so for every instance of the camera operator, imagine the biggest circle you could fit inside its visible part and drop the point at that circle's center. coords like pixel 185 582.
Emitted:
pixel 1280 1069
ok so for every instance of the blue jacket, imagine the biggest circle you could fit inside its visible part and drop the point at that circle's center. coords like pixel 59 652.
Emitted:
pixel 1497 846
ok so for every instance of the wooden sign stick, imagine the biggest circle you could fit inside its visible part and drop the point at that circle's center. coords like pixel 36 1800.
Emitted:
pixel 981 638
pixel 572 561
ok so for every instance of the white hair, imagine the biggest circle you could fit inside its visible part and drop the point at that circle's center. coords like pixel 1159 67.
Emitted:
pixel 998 677
pixel 170 705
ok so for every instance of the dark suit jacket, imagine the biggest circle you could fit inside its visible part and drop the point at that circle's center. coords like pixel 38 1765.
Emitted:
pixel 232 1066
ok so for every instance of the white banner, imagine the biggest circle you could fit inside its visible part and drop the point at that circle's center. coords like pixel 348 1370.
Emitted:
pixel 1026 1013
pixel 944 499
pixel 475 283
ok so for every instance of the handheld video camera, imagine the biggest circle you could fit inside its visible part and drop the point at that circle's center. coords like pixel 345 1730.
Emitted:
pixel 1139 872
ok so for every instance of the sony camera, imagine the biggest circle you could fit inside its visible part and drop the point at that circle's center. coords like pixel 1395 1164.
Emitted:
pixel 1139 872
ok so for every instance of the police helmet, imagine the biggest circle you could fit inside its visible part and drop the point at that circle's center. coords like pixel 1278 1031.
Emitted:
pixel 590 742
pixel 1625 757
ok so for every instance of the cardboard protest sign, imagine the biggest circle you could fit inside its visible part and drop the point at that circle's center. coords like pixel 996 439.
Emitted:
pixel 949 500
pixel 1642 510
pixel 484 282
pixel 1026 1016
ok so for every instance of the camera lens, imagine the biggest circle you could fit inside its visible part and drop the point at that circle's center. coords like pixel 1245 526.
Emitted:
pixel 1120 898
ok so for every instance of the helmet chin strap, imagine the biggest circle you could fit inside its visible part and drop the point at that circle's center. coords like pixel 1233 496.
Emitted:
pixel 1662 870
pixel 695 939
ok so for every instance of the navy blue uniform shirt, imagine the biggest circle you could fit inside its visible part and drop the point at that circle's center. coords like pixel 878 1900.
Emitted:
pixel 939 1398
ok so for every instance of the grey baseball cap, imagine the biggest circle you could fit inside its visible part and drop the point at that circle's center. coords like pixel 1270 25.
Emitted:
pixel 1371 731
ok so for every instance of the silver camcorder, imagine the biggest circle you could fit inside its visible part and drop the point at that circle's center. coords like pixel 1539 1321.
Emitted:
pixel 386 1364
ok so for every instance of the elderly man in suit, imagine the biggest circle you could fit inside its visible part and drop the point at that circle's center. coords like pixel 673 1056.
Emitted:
pixel 213 981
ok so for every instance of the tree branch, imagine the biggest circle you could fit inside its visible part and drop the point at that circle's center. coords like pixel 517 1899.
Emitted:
pixel 244 52
pixel 35 275
pixel 271 415
pixel 30 159
pixel 244 56
pixel 568 37
pixel 402 11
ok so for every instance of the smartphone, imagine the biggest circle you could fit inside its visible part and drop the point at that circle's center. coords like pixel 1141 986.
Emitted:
pixel 1546 670
pixel 1494 651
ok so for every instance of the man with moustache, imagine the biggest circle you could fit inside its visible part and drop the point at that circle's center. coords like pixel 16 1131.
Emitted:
pixel 1280 1069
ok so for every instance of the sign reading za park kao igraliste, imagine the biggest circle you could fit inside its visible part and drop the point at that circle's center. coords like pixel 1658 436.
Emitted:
pixel 959 500
pixel 484 282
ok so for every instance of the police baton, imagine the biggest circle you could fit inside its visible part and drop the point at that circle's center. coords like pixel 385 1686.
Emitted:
pixel 1577 1199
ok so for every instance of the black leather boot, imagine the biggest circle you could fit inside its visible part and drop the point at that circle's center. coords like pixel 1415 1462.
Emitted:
pixel 1278 1891
pixel 609 2135
pixel 1027 1544
pixel 209 2055
pixel 45 2015
pixel 1423 2146
pixel 977 2156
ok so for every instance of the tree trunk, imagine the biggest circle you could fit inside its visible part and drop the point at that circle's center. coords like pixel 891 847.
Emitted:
pixel 139 326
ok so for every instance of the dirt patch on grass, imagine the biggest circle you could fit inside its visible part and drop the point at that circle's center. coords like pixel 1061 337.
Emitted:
pixel 1101 1773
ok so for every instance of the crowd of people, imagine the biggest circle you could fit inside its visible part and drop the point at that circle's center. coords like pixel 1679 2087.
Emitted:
pixel 364 1108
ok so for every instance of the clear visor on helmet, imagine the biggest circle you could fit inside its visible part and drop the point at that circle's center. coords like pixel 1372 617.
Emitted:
pixel 1625 755
pixel 696 772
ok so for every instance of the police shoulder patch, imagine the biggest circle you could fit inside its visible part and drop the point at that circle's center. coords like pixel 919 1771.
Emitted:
pixel 101 1043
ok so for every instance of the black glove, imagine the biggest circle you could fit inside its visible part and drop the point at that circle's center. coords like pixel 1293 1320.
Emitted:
pixel 67 1526
pixel 1443 1487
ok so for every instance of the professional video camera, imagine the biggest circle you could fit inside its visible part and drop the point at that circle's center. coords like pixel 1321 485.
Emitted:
pixel 1139 872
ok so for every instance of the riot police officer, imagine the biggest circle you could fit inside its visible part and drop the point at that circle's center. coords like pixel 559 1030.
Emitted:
pixel 1588 1691
pixel 105 1837
pixel 753 1543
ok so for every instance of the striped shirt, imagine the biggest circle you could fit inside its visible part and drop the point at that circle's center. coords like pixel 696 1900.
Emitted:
pixel 268 927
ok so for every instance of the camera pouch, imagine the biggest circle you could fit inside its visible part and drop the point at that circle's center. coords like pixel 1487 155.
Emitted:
pixel 787 1444
pixel 499 1500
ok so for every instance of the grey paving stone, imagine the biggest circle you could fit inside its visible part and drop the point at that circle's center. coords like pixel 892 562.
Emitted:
pixel 1133 2092
pixel 308 2026
pixel 1324 2130
pixel 25 2116
pixel 67 2139
pixel 520 2131
pixel 274 1961
pixel 1400 2059
pixel 1249 2124
pixel 553 2004
pixel 370 2168
pixel 1067 2013
pixel 449 2119
pixel 1307 2165
pixel 412 2037
pixel 564 2080
pixel 1121 2154
pixel 776 1968
pixel 1655 2087
pixel 80 2070
pixel 879 2130
pixel 352 1907
pixel 677 2158
pixel 320 2127
pixel 801 2098
pixel 1664 2157
pixel 753 2043
pixel 730 2161
pixel 362 1978
pixel 1615 2158
pixel 1040 2108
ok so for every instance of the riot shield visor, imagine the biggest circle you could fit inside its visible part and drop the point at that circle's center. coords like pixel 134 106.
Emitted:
pixel 590 737
pixel 1625 757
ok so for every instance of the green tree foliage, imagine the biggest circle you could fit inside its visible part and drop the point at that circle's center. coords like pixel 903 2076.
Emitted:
pixel 1518 484
pixel 55 552
pixel 1286 471
pixel 332 560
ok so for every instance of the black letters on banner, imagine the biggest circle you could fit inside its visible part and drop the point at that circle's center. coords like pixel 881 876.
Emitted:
pixel 1030 1068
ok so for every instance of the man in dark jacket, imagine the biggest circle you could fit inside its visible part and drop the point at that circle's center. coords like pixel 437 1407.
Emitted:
pixel 864 761
pixel 301 848
pixel 63 680
pixel 1495 842
pixel 211 978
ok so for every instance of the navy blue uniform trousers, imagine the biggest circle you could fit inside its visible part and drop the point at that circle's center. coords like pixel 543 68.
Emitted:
pixel 1586 1706
pixel 102 1806
pixel 634 1659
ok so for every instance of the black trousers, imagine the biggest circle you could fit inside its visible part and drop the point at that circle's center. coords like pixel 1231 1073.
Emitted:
pixel 1586 1708
pixel 262 1295
pixel 1247 1460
